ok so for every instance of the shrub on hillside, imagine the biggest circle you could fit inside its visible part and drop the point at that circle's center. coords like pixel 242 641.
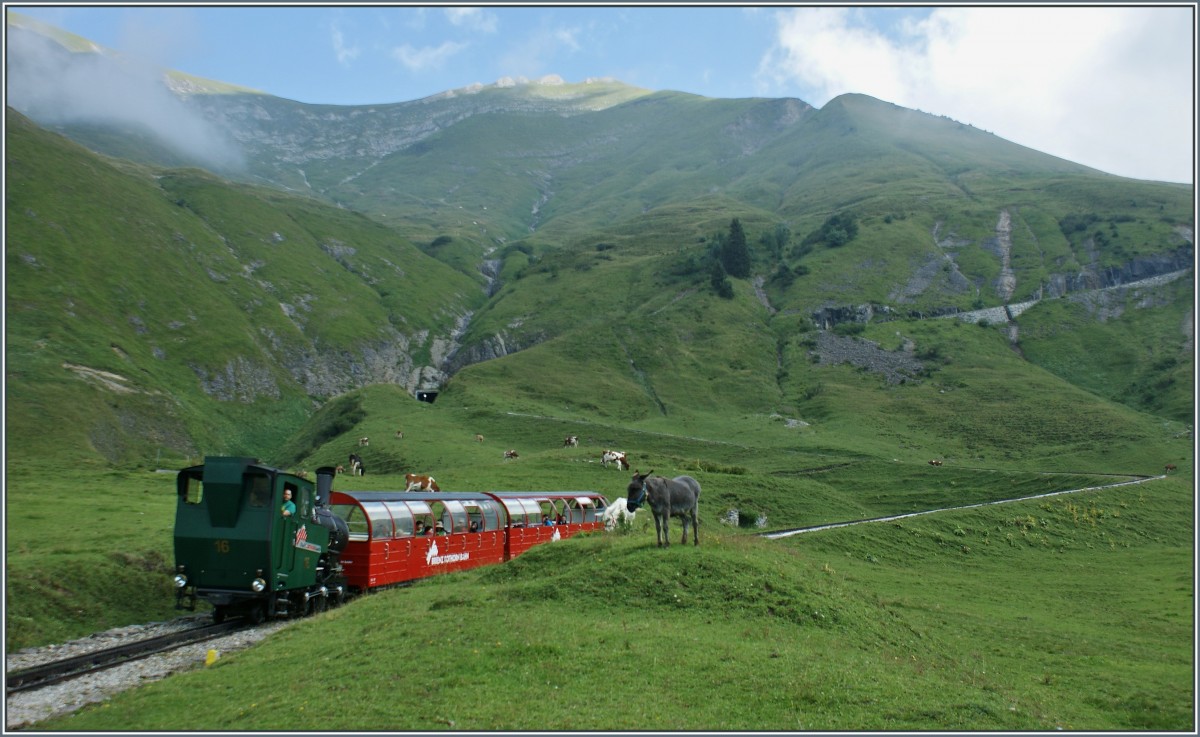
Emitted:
pixel 837 230
pixel 1076 223
pixel 720 282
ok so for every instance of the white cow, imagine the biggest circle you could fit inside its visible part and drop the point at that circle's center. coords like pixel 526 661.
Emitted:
pixel 420 482
pixel 614 456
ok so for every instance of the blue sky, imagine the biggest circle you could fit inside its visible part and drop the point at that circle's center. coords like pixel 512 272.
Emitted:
pixel 1112 87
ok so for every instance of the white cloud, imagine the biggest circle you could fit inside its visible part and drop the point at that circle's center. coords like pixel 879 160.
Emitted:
pixel 535 54
pixel 428 57
pixel 1108 87
pixel 474 19
pixel 53 87
pixel 826 52
pixel 344 53
pixel 567 38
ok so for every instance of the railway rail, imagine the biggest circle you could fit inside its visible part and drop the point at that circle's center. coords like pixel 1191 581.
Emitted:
pixel 57 671
pixel 1133 479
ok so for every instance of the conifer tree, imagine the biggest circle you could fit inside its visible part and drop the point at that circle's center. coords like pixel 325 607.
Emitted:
pixel 735 254
pixel 720 283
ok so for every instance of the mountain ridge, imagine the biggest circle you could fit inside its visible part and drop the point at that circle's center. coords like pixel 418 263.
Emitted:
pixel 416 243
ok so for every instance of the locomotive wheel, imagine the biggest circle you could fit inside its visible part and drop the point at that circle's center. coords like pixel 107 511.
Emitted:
pixel 320 604
pixel 219 613
pixel 257 613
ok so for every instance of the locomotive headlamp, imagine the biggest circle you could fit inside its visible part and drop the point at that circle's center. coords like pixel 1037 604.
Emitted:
pixel 259 585
pixel 180 580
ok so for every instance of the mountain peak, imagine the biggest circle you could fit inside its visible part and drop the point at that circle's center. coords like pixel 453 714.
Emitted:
pixel 595 93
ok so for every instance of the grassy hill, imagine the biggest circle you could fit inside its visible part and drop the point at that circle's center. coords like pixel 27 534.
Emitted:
pixel 544 257
pixel 171 313
pixel 1068 613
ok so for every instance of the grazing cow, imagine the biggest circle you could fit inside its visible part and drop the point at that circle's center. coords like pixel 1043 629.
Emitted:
pixel 340 469
pixel 935 463
pixel 1170 467
pixel 364 441
pixel 356 465
pixel 617 513
pixel 571 441
pixel 478 438
pixel 399 434
pixel 511 454
pixel 418 482
pixel 614 456
pixel 677 497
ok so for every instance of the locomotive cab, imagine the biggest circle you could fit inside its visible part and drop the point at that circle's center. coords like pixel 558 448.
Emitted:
pixel 235 549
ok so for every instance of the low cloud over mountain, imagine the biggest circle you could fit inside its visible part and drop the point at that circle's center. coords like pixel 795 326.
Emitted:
pixel 50 84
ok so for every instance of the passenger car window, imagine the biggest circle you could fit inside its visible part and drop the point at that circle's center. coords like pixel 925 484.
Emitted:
pixel 356 521
pixel 403 518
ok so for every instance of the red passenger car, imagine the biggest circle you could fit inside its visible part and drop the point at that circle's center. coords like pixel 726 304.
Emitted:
pixel 398 536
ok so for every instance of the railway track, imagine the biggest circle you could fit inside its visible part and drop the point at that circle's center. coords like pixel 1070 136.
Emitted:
pixel 48 674
pixel 889 518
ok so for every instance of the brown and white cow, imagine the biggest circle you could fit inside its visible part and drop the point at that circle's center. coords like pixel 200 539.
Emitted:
pixel 339 469
pixel 511 454
pixel 420 482
pixel 364 441
pixel 1170 467
pixel 571 441
pixel 935 463
pixel 478 438
pixel 399 434
pixel 614 456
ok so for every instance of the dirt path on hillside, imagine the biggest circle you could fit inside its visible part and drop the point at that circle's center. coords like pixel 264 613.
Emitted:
pixel 761 293
pixel 801 530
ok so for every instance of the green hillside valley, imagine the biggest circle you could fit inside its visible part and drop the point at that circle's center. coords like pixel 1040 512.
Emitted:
pixel 801 308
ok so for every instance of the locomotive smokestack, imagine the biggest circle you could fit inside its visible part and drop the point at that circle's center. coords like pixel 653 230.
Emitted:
pixel 325 476
pixel 339 532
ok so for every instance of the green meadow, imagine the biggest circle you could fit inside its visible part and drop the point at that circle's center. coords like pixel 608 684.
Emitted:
pixel 1071 612
pixel 1065 612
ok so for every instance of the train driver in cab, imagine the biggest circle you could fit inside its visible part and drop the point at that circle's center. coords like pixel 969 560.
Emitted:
pixel 289 507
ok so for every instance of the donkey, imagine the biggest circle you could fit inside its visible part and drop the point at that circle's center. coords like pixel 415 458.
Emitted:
pixel 677 497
